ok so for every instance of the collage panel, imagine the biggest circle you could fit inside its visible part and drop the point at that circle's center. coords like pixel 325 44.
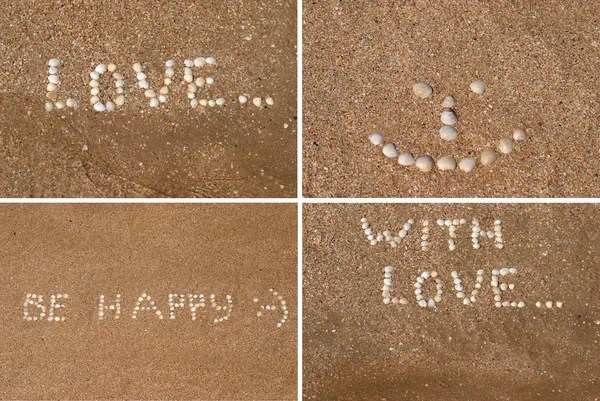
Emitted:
pixel 451 301
pixel 148 302
pixel 148 99
pixel 450 99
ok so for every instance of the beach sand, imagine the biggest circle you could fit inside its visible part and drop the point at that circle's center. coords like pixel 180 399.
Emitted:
pixel 88 250
pixel 540 61
pixel 357 348
pixel 138 151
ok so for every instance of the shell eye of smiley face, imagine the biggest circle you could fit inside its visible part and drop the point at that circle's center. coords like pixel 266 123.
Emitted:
pixel 448 132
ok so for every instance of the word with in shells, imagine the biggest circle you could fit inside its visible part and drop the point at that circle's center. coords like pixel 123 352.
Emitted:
pixel 478 233
pixel 448 132
pixel 35 308
pixel 498 284
pixel 196 84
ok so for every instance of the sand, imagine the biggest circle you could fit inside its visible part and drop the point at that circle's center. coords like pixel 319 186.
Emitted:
pixel 86 250
pixel 357 348
pixel 175 151
pixel 540 61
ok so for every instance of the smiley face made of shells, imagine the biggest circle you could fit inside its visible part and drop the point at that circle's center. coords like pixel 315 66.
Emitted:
pixel 426 163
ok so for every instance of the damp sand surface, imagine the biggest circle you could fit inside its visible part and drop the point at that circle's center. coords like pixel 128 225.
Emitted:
pixel 357 348
pixel 139 151
pixel 88 250
pixel 540 62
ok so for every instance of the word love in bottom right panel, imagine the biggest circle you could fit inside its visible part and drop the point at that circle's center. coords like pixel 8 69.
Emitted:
pixel 471 301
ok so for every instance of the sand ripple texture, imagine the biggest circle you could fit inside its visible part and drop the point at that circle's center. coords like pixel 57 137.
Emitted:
pixel 540 61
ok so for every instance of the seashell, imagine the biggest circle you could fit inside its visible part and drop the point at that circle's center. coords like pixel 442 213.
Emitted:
pixel 119 83
pixel 211 60
pixel 137 67
pixel 448 102
pixel 150 93
pixel 54 62
pixel 154 102
pixel 99 107
pixel 257 101
pixel 53 79
pixel 60 105
pixel 375 138
pixel 144 84
pixel 478 87
pixel 200 62
pixel 519 135
pixel 389 150
pixel 422 90
pixel 164 90
pixel 110 106
pixel 141 76
pixel 52 96
pixel 111 67
pixel 170 63
pixel 192 87
pixel 446 163
pixel 220 101
pixel 162 98
pixel 243 99
pixel 506 145
pixel 72 103
pixel 270 101
pixel 467 164
pixel 51 87
pixel 194 103
pixel 425 163
pixel 212 103
pixel 203 102
pixel 169 72
pixel 488 157
pixel 94 99
pixel 95 91
pixel 52 70
pixel 120 100
pixel 94 75
pixel 188 63
pixel 101 68
pixel 49 106
pixel 200 82
pixel 210 80
pixel 449 117
pixel 406 159
pixel 448 133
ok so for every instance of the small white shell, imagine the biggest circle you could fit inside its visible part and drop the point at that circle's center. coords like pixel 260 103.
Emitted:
pixel 110 106
pixel 506 145
pixel 137 67
pixel 446 163
pixel 422 90
pixel 519 135
pixel 49 106
pixel 54 62
pixel 111 67
pixel 257 101
pixel 170 63
pixel 449 117
pixel 448 133
pixel 211 60
pixel 425 163
pixel 71 103
pixel 389 150
pixel 488 157
pixel 154 102
pixel 101 68
pixel 53 79
pixel 200 62
pixel 406 159
pixel 478 87
pixel 449 101
pixel 94 75
pixel 120 100
pixel 99 107
pixel 243 99
pixel 467 164
pixel 188 63
pixel 220 101
pixel 375 138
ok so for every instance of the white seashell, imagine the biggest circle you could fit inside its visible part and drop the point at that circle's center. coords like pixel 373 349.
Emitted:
pixel 111 67
pixel 478 87
pixel 270 101
pixel 101 68
pixel 243 99
pixel 53 79
pixel 150 93
pixel 488 157
pixel 72 103
pixel 210 80
pixel 257 101
pixel 51 87
pixel 144 84
pixel 422 90
pixel 406 159
pixel 119 83
pixel 110 106
pixel 388 269
pixel 141 76
pixel 170 63
pixel 94 75
pixel 120 100
pixel 162 98
pixel 188 63
pixel 117 76
pixel 519 135
pixel 99 107
pixel 448 133
pixel 559 304
pixel 446 163
pixel 137 67
pixel 211 103
pixel 94 99
pixel 220 101
pixel 506 145
pixel 449 117
pixel 54 62
pixel 448 102
pixel 211 60
pixel 200 62
pixel 467 164
pixel 375 138
pixel 60 105
pixel 52 70
pixel 549 304
pixel 200 82
pixel 49 106
pixel 203 102
pixel 94 83
pixel 194 103
pixel 169 72
pixel 521 304
pixel 187 71
pixel 389 150
pixel 424 163
pixel 154 102
pixel 164 90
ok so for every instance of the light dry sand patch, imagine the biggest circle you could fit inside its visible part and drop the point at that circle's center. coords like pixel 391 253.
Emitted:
pixel 540 62
pixel 136 150
pixel 357 348
pixel 88 250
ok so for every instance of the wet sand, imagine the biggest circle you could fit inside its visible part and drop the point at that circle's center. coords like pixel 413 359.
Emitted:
pixel 540 61
pixel 357 348
pixel 138 151
pixel 88 250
